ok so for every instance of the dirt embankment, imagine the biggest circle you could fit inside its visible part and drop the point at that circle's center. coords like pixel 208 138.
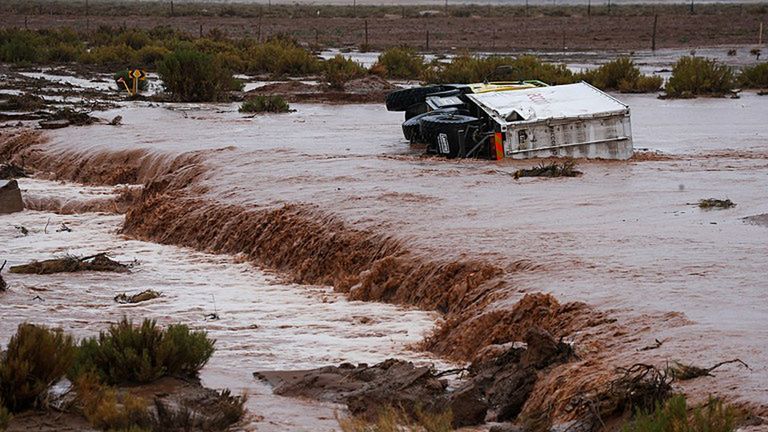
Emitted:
pixel 482 308
pixel 574 30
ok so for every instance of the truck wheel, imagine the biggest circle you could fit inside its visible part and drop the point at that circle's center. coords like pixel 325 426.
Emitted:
pixel 412 126
pixel 445 134
pixel 401 100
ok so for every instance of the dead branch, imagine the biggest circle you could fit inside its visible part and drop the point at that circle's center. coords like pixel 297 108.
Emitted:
pixel 683 372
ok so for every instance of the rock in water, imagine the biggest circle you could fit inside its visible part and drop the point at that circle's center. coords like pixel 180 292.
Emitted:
pixel 10 197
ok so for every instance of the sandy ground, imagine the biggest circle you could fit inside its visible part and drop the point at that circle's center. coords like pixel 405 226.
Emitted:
pixel 453 34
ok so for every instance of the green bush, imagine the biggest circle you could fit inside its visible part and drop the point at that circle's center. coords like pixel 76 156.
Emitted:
pixel 35 359
pixel 673 416
pixel 18 46
pixel 5 417
pixel 471 69
pixel 194 76
pixel 259 104
pixel 150 55
pixel 65 52
pixel 622 75
pixel 110 55
pixel 140 354
pixel 693 76
pixel 281 57
pixel 754 76
pixel 338 70
pixel 402 63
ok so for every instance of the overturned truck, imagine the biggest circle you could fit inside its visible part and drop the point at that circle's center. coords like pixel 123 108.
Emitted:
pixel 520 120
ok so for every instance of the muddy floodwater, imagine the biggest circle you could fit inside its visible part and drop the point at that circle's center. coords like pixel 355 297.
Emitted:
pixel 626 236
pixel 264 324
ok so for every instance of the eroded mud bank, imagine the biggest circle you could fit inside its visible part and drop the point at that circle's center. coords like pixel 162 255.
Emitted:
pixel 481 298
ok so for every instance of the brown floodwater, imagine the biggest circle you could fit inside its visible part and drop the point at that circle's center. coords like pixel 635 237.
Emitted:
pixel 625 236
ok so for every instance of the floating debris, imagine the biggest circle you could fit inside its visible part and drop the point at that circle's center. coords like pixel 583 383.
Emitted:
pixel 554 169
pixel 70 264
pixel 10 171
pixel 143 296
pixel 713 203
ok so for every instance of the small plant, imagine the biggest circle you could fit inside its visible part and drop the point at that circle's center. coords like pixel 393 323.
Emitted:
pixel 391 419
pixel 194 76
pixel 35 359
pixel 673 416
pixel 261 104
pixel 693 76
pixel 754 76
pixel 339 70
pixel 554 169
pixel 622 75
pixel 714 203
pixel 141 354
pixel 401 63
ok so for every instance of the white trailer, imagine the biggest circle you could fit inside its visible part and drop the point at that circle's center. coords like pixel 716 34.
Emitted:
pixel 574 120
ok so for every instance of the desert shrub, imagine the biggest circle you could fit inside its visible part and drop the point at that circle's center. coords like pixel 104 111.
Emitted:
pixel 65 52
pixel 136 39
pixel 19 46
pixel 35 359
pixel 260 104
pixel 468 69
pixel 105 409
pixel 391 419
pixel 673 416
pixel 151 55
pixel 754 76
pixel 622 75
pixel 194 76
pixel 110 55
pixel 139 354
pixel 281 57
pixel 338 70
pixel 401 63
pixel 696 75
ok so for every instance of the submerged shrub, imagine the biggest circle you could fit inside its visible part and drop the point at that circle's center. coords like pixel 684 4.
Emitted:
pixel 693 76
pixel 144 353
pixel 401 63
pixel 260 104
pixel 673 416
pixel 194 76
pixel 622 75
pixel 754 76
pixel 35 359
pixel 338 70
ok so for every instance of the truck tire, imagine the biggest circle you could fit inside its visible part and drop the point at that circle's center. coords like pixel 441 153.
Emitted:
pixel 444 134
pixel 412 126
pixel 401 100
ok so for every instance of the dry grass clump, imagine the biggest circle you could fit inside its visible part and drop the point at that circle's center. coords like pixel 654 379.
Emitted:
pixel 140 354
pixel 674 415
pixel 392 419
pixel 106 409
pixel 36 357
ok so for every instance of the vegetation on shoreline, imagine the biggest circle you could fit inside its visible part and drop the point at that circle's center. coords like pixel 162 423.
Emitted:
pixel 201 68
pixel 246 10
pixel 262 104
pixel 37 357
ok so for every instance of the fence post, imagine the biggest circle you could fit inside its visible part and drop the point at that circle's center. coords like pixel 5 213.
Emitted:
pixel 201 30
pixel 653 38
pixel 589 8
pixel 26 27
pixel 427 45
pixel 692 7
pixel 366 34
pixel 87 16
pixel 171 7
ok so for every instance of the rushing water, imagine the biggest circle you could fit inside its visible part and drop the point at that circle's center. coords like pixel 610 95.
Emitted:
pixel 264 324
